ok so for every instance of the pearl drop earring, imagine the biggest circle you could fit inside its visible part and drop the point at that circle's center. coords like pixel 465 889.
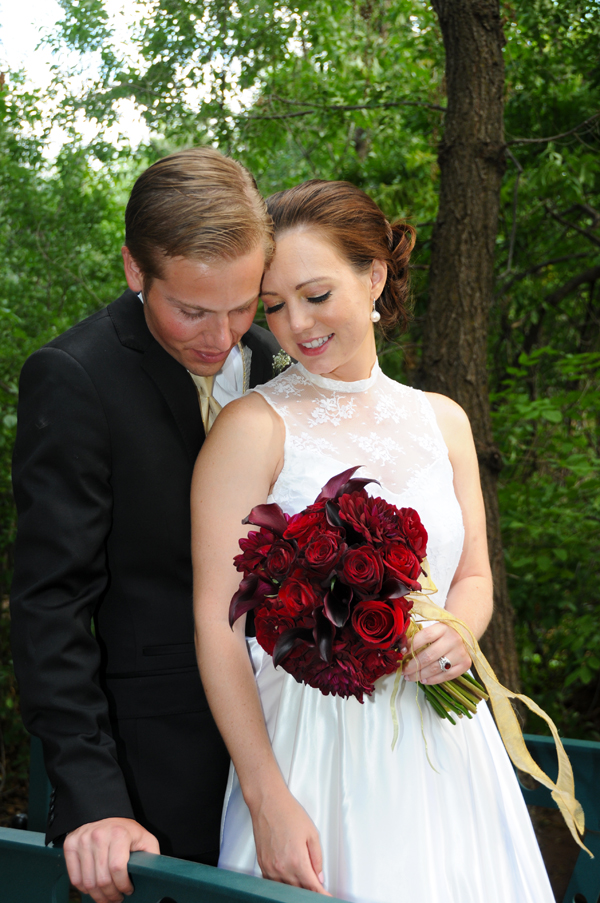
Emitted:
pixel 375 315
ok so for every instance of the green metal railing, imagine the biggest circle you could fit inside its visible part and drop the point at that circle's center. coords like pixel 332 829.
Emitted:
pixel 30 872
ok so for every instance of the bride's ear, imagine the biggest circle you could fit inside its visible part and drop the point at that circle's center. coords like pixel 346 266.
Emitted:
pixel 378 278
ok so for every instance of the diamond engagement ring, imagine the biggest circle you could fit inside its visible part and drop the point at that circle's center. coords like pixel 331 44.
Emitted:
pixel 444 663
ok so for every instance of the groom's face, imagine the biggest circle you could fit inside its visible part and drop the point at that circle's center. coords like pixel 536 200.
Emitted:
pixel 199 311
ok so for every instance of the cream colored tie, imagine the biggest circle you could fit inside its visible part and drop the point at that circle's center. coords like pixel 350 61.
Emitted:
pixel 209 406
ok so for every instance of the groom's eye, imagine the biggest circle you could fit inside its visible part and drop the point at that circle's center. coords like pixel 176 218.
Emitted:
pixel 317 299
pixel 193 315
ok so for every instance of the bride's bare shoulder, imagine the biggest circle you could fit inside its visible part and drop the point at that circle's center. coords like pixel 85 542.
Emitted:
pixel 250 416
pixel 452 421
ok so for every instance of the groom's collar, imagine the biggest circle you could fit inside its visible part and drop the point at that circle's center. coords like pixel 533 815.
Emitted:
pixel 127 315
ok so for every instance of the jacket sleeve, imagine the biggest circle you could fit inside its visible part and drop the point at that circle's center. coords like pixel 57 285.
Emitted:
pixel 62 486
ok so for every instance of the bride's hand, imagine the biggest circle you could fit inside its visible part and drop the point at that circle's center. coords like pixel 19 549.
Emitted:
pixel 430 645
pixel 287 843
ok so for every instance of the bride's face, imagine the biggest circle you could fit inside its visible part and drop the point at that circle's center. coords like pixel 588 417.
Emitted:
pixel 319 307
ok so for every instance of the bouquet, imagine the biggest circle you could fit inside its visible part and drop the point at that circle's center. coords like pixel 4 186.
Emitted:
pixel 331 588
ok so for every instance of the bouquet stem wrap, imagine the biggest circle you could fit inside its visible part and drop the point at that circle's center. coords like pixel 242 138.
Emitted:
pixel 563 791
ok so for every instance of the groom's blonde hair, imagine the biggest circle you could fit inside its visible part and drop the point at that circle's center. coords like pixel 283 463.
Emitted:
pixel 196 204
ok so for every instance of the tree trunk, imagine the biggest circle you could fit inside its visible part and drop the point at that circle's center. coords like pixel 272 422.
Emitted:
pixel 471 159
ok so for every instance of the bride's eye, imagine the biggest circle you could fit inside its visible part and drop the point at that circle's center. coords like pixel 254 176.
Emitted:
pixel 317 299
pixel 273 309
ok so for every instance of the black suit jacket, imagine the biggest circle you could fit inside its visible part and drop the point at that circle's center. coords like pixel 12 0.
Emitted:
pixel 109 430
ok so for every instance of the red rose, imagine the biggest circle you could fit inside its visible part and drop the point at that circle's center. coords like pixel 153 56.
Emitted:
pixel 297 595
pixel 400 562
pixel 323 552
pixel 373 518
pixel 255 548
pixel 308 524
pixel 377 624
pixel 362 569
pixel 280 559
pixel 414 531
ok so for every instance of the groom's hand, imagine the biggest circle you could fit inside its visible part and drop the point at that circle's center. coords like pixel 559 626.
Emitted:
pixel 97 855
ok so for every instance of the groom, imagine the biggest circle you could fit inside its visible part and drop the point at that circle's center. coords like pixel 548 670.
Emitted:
pixel 112 415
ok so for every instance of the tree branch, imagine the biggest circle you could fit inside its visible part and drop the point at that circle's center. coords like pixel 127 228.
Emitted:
pixel 554 137
pixel 589 275
pixel 535 269
pixel 315 108
pixel 513 231
pixel 566 222
pixel 554 299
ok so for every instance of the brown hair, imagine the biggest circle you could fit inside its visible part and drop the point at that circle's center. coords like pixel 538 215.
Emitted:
pixel 357 228
pixel 197 204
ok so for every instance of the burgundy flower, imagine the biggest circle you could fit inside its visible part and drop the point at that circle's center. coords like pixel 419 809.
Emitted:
pixel 298 595
pixel 362 569
pixel 280 560
pixel 270 622
pixel 377 623
pixel 402 563
pixel 373 518
pixel 255 548
pixel 323 552
pixel 377 662
pixel 308 524
pixel 414 531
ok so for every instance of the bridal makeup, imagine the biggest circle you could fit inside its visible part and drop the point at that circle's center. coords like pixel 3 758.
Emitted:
pixel 319 307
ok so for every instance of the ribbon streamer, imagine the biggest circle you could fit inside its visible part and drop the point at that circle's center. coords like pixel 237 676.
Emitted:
pixel 563 791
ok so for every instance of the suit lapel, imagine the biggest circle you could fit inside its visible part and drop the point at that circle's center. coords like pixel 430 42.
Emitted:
pixel 263 346
pixel 178 390
pixel 170 378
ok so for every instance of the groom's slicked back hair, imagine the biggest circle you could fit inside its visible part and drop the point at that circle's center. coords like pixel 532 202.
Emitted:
pixel 196 204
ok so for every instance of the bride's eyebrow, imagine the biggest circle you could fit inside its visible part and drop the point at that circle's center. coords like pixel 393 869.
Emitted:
pixel 299 286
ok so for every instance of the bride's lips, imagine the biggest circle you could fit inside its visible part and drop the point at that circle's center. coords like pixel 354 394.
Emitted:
pixel 311 352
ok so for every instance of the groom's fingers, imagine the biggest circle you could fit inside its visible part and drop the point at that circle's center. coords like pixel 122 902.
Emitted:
pixel 97 855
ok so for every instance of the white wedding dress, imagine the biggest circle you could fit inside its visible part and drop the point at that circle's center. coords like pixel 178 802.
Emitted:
pixel 393 827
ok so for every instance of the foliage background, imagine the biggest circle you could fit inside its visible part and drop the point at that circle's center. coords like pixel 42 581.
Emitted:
pixel 350 90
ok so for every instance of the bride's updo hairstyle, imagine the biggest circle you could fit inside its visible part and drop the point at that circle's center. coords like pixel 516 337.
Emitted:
pixel 353 223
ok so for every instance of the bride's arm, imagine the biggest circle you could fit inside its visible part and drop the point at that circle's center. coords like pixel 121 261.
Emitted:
pixel 471 594
pixel 234 472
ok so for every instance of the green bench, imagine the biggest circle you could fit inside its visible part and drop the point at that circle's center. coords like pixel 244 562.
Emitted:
pixel 30 872
pixel 584 886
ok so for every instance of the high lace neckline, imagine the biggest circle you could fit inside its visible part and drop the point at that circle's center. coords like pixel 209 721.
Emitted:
pixel 338 385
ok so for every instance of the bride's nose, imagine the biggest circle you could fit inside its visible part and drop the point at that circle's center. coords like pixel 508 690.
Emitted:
pixel 301 317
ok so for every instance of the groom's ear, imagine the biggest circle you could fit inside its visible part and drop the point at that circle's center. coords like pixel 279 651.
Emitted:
pixel 133 274
pixel 378 277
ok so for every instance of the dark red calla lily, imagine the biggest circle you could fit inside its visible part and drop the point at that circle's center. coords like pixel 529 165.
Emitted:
pixel 287 641
pixel 251 592
pixel 269 516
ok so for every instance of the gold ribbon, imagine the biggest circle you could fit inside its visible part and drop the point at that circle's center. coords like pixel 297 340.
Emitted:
pixel 209 406
pixel 563 791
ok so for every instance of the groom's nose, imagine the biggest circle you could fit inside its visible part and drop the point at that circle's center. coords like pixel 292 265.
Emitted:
pixel 217 333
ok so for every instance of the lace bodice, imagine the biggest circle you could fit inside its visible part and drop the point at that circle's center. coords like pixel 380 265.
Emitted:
pixel 387 428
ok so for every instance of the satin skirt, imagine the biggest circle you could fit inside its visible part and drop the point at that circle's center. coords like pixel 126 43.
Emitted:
pixel 439 819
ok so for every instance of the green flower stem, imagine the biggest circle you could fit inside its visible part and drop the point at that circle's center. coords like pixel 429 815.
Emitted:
pixel 432 699
pixel 447 701
pixel 453 690
pixel 459 696
pixel 473 686
pixel 455 703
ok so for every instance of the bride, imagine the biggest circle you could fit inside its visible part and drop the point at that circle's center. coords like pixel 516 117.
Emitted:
pixel 318 798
